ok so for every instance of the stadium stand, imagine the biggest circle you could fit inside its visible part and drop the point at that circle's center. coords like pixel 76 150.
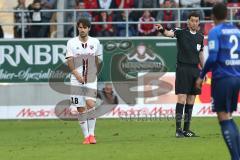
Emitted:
pixel 109 17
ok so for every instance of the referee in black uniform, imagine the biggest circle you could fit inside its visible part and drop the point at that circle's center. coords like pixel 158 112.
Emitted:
pixel 189 56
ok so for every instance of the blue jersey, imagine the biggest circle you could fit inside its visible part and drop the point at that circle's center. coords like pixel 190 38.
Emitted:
pixel 224 52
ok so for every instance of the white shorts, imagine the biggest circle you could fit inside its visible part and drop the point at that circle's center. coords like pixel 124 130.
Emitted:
pixel 78 99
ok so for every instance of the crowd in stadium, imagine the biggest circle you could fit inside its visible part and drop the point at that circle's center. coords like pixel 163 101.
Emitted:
pixel 34 15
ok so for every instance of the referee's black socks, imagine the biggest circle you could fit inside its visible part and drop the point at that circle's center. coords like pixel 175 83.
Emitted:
pixel 187 116
pixel 178 116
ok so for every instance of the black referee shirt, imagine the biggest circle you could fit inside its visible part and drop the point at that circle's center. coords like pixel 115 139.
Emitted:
pixel 189 46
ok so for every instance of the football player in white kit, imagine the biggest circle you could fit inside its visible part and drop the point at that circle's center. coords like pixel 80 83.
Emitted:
pixel 82 52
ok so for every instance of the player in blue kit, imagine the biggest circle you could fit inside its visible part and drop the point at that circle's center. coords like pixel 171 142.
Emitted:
pixel 224 62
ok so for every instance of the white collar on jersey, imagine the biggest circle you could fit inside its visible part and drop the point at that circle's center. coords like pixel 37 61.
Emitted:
pixel 192 32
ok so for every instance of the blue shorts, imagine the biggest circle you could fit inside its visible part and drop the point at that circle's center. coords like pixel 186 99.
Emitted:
pixel 225 93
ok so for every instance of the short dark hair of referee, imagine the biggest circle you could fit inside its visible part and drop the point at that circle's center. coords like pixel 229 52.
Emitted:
pixel 189 56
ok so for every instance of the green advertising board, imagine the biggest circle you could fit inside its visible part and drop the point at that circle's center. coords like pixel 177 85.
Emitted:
pixel 36 60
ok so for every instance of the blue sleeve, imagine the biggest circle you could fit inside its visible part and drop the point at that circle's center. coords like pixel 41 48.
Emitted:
pixel 213 47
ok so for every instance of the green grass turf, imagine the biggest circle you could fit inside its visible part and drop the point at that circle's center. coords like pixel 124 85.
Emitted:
pixel 117 140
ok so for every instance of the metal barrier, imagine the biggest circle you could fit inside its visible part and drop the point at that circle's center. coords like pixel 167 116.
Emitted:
pixel 127 22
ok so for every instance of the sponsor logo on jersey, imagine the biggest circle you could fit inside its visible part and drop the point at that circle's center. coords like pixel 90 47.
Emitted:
pixel 198 47
pixel 211 45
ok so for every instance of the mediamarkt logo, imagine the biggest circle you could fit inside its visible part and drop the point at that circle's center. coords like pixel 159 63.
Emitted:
pixel 142 59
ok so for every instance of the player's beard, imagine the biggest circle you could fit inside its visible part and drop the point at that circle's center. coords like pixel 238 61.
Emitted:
pixel 83 35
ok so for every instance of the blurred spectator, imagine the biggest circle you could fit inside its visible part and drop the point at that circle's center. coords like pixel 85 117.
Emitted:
pixel 167 15
pixel 121 27
pixel 91 4
pixel 103 30
pixel 233 1
pixel 236 16
pixel 235 13
pixel 125 3
pixel 107 95
pixel 101 4
pixel 36 17
pixel 82 14
pixel 18 19
pixel 146 29
pixel 46 16
pixel 148 4
pixel 79 14
pixel 119 15
pixel 175 3
pixel 133 16
pixel 210 4
pixel 1 32
pixel 191 4
pixel 106 4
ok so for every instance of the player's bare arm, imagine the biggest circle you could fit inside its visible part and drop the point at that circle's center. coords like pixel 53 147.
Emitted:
pixel 73 70
pixel 201 57
pixel 97 64
pixel 164 32
pixel 199 82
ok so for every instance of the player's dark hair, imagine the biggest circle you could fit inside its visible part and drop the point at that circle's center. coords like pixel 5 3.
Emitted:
pixel 194 14
pixel 219 11
pixel 85 22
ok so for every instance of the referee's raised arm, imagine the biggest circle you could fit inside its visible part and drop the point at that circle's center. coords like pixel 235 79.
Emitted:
pixel 163 31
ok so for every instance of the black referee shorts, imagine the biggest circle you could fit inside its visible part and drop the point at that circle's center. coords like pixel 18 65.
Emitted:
pixel 186 76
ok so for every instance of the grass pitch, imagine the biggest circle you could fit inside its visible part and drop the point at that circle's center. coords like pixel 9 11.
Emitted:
pixel 116 140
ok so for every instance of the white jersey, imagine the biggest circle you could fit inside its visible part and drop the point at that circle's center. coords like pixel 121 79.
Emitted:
pixel 84 57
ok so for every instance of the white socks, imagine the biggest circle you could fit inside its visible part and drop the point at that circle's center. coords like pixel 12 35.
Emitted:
pixel 88 127
pixel 91 126
pixel 84 126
